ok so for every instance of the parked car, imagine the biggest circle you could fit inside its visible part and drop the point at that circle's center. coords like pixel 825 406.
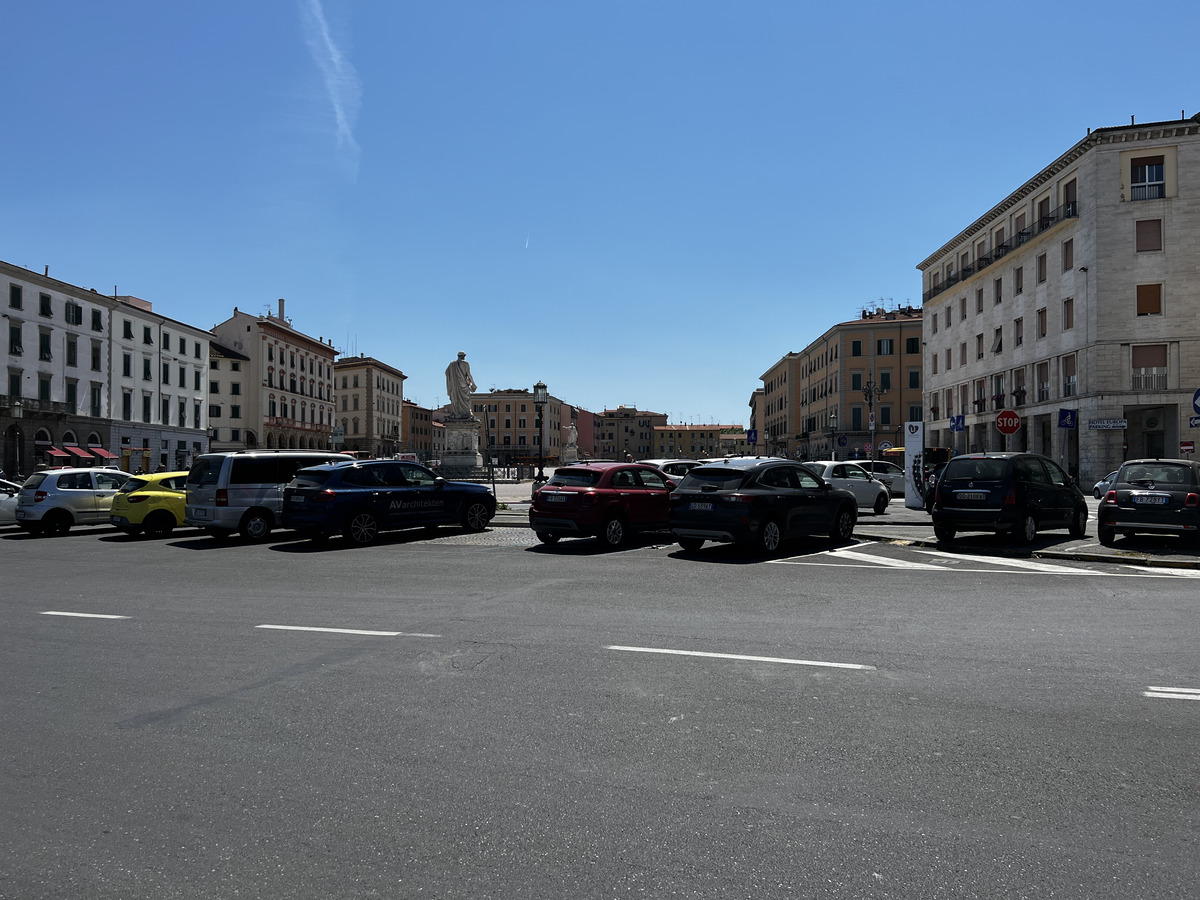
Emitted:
pixel 151 503
pixel 360 499
pixel 54 501
pixel 1017 493
pixel 242 490
pixel 931 486
pixel 889 473
pixel 674 469
pixel 869 492
pixel 608 501
pixel 759 502
pixel 1152 496
pixel 1103 485
pixel 9 490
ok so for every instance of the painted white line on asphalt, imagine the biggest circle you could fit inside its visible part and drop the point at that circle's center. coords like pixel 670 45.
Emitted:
pixel 1167 571
pixel 1171 693
pixel 883 560
pixel 347 631
pixel 770 659
pixel 1032 566
pixel 82 615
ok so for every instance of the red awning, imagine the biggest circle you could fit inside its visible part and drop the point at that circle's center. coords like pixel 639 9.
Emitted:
pixel 55 452
pixel 102 453
pixel 82 453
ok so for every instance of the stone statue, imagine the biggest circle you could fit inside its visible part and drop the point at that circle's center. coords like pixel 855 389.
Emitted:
pixel 572 435
pixel 459 385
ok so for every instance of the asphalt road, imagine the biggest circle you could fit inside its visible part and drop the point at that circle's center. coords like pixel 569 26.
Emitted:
pixel 870 721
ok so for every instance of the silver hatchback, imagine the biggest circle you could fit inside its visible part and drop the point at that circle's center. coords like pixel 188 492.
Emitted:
pixel 52 502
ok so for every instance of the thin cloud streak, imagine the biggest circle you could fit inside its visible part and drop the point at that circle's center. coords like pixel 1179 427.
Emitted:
pixel 341 79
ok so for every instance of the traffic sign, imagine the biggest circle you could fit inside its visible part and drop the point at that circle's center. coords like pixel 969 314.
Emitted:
pixel 1187 446
pixel 885 445
pixel 1007 422
pixel 867 447
pixel 751 435
pixel 1196 401
pixel 841 440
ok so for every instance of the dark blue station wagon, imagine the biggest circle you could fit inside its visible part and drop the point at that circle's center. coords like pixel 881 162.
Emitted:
pixel 360 499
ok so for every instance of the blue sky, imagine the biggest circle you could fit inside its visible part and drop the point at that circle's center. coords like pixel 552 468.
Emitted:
pixel 639 203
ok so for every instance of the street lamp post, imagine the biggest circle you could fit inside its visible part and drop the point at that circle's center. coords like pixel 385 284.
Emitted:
pixel 871 391
pixel 833 434
pixel 18 410
pixel 540 397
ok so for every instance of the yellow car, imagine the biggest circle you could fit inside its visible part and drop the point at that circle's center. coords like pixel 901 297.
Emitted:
pixel 151 503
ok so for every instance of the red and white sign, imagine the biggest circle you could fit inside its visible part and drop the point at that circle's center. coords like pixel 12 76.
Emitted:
pixel 1007 422
pixel 867 447
pixel 1187 446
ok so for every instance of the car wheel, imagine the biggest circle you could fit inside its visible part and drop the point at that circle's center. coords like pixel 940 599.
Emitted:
pixel 944 533
pixel 1025 530
pixel 256 525
pixel 691 545
pixel 547 538
pixel 843 524
pixel 881 504
pixel 770 538
pixel 1096 493
pixel 1108 536
pixel 160 523
pixel 57 523
pixel 476 517
pixel 1078 526
pixel 362 528
pixel 614 533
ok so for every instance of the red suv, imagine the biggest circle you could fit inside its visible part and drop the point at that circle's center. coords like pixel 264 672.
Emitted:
pixel 609 501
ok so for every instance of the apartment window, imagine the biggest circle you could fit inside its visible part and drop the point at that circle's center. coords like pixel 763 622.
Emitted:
pixel 147 375
pixel 998 340
pixel 72 351
pixel 196 350
pixel 127 365
pixel 979 346
pixel 949 307
pixel 1146 178
pixel 97 355
pixel 198 380
pixel 1068 315
pixel 856 348
pixel 72 394
pixel 15 300
pixel 166 340
pixel 127 329
pixel 182 377
pixel 856 418
pixel 997 290
pixel 935 364
pixel 1018 332
pixel 235 366
pixel 1018 280
pixel 935 318
pixel 355 377
pixel 962 307
pixel 1068 375
pixel 94 408
pixel 1149 235
pixel 73 313
pixel 885 380
pixel 856 381
pixel 978 300
pixel 166 410
pixel 166 378
pixel 214 412
pixel 1068 255
pixel 949 358
pixel 356 401
pixel 1041 323
pixel 885 415
pixel 235 434
pixel 1149 363
pixel 182 345
pixel 182 413
pixel 962 353
pixel 235 388
pixel 146 335
pixel 884 347
pixel 44 308
pixel 146 408
pixel 915 414
pixel 912 345
pixel 1149 299
pixel 44 388
pixel 345 403
pixel 235 412
pixel 97 320
pixel 1041 268
pixel 44 346
pixel 1070 196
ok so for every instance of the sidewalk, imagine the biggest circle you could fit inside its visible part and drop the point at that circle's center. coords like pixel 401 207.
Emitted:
pixel 915 528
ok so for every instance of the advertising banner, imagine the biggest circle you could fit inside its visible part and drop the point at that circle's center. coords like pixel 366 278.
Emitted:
pixel 914 465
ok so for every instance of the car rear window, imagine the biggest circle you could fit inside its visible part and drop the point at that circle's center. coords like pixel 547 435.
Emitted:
pixel 1158 473
pixel 34 481
pixel 714 476
pixel 575 478
pixel 133 484
pixel 311 478
pixel 975 469
pixel 205 470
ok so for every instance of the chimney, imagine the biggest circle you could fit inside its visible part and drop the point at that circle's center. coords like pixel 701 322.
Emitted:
pixel 281 307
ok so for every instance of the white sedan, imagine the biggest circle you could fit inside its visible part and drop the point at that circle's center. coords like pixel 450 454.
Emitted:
pixel 8 502
pixel 870 493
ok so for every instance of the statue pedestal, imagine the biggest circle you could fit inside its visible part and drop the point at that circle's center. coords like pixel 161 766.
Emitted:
pixel 570 454
pixel 462 446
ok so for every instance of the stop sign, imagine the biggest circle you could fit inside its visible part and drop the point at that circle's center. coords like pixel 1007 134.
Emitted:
pixel 1007 422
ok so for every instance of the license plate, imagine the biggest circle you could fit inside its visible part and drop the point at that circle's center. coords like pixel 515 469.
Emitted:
pixel 200 513
pixel 296 499
pixel 556 498
pixel 1151 499
pixel 971 495
pixel 20 513
pixel 700 507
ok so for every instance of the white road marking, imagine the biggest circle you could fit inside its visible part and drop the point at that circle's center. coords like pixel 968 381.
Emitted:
pixel 770 659
pixel 1032 566
pixel 884 560
pixel 1171 693
pixel 1167 570
pixel 348 631
pixel 82 615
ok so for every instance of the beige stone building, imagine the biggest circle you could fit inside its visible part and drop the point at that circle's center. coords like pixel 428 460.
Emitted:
pixel 417 429
pixel 695 441
pixel 819 402
pixel 369 400
pixel 627 430
pixel 1075 302
pixel 508 426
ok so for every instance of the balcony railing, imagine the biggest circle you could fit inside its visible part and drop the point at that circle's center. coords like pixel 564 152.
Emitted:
pixel 1044 223
pixel 1149 379
pixel 1154 191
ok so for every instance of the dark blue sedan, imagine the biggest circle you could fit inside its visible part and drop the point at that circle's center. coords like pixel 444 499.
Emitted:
pixel 360 499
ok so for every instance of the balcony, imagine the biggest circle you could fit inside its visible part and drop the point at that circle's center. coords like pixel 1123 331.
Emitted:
pixel 1149 379
pixel 1044 223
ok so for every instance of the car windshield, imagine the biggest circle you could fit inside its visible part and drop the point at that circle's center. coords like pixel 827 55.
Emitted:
pixel 718 477
pixel 575 478
pixel 975 469
pixel 1158 473
pixel 133 484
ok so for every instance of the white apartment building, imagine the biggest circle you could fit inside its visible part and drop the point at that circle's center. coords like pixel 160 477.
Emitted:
pixel 1075 302
pixel 369 399
pixel 270 386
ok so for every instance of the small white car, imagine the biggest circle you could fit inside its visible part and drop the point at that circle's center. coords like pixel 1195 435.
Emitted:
pixel 8 502
pixel 674 469
pixel 869 492
pixel 889 473
pixel 1103 486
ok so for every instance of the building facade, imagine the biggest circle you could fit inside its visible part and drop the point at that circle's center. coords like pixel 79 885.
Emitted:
pixel 627 430
pixel 509 426
pixel 695 441
pixel 417 429
pixel 1074 302
pixel 369 397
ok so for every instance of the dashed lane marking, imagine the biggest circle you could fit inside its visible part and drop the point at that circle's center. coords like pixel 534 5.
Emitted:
pixel 1171 693
pixel 348 631
pixel 79 615
pixel 737 656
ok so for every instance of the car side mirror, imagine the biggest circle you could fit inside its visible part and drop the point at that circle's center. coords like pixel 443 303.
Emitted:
pixel 439 482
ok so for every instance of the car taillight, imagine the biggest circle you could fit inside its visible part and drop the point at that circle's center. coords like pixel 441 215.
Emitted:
pixel 586 499
pixel 1010 499
pixel 222 497
pixel 325 496
pixel 39 496
pixel 1110 497
pixel 739 498
pixel 134 498
pixel 1192 500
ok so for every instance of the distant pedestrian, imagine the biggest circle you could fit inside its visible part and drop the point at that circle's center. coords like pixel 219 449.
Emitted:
pixel 628 457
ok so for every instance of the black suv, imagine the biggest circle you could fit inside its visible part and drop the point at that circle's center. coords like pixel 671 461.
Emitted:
pixel 1160 496
pixel 1017 493
pixel 761 502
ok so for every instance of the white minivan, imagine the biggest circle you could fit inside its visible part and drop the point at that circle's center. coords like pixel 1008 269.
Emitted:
pixel 242 490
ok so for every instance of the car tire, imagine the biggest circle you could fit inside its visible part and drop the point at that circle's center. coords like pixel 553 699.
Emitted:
pixel 547 538
pixel 362 528
pixel 944 533
pixel 614 533
pixel 57 523
pixel 770 537
pixel 881 504
pixel 476 516
pixel 256 525
pixel 1025 530
pixel 159 523
pixel 842 529
pixel 1107 536
pixel 1078 526
pixel 690 545
pixel 1096 493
